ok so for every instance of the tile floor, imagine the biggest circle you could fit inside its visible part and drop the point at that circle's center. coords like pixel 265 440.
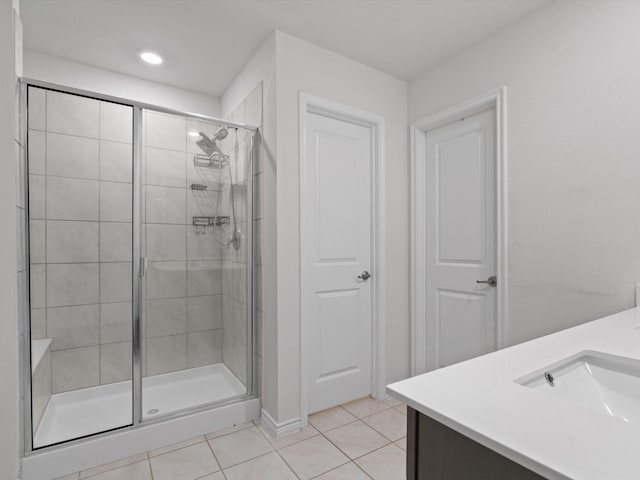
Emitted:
pixel 362 440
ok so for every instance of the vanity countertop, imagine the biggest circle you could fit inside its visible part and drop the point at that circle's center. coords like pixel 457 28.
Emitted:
pixel 480 399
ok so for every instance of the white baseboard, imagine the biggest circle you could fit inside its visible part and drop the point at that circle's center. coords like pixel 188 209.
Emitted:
pixel 280 429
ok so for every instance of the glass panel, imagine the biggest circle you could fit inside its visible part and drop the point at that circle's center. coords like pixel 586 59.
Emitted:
pixel 80 211
pixel 194 239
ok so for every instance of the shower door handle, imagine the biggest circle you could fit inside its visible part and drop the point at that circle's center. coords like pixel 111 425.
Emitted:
pixel 143 266
pixel 364 276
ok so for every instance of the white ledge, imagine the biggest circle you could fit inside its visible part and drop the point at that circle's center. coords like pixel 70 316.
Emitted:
pixel 38 350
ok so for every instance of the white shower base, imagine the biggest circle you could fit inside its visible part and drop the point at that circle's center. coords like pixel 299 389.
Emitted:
pixel 79 413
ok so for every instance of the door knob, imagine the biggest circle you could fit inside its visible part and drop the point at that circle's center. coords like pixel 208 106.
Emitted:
pixel 492 281
pixel 364 276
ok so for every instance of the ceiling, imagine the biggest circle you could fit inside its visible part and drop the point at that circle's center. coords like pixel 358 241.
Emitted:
pixel 207 42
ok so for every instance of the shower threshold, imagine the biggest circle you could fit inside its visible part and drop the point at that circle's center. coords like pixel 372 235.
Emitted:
pixel 87 411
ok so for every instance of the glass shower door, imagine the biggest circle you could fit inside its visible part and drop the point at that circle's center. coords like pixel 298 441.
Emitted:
pixel 195 328
pixel 80 265
pixel 140 265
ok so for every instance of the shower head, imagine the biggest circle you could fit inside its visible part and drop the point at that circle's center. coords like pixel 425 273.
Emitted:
pixel 221 133
pixel 208 145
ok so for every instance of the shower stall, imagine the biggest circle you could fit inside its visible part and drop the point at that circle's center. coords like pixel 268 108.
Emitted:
pixel 140 248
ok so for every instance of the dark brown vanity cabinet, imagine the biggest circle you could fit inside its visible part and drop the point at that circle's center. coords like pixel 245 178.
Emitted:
pixel 436 452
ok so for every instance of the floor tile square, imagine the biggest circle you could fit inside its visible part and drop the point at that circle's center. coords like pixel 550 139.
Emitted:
pixel 350 471
pixel 388 463
pixel 112 465
pixel 356 439
pixel 227 431
pixel 137 471
pixel 291 438
pixel 390 423
pixel 176 446
pixel 365 407
pixel 312 457
pixel 267 467
pixel 332 418
pixel 239 446
pixel 213 476
pixel 187 463
pixel 402 443
pixel 392 402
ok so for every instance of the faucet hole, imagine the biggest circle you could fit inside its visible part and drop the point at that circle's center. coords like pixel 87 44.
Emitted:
pixel 549 378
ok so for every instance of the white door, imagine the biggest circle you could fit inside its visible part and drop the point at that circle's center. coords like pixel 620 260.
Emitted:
pixel 336 250
pixel 461 240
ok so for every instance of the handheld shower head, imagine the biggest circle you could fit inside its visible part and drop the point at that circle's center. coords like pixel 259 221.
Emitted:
pixel 208 145
pixel 221 134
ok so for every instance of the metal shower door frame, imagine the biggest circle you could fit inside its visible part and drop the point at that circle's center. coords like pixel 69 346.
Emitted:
pixel 24 320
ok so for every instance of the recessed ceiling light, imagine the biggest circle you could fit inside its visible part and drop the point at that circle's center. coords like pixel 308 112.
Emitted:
pixel 193 133
pixel 150 56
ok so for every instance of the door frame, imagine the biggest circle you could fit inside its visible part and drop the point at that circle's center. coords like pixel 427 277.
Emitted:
pixel 497 98
pixel 376 124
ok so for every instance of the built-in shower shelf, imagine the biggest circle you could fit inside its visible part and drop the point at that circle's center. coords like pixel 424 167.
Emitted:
pixel 201 223
pixel 200 160
pixel 210 221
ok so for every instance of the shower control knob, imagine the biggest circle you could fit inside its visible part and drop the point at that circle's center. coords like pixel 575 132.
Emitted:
pixel 364 276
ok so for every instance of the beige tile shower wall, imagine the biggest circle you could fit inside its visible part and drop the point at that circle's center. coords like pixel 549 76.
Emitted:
pixel 183 307
pixel 235 262
pixel 80 167
pixel 80 236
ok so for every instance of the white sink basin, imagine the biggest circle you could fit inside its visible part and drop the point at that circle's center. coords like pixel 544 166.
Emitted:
pixel 592 380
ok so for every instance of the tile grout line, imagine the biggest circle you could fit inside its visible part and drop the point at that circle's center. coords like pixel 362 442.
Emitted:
pixel 88 477
pixel 249 460
pixel 362 470
pixel 149 465
pixel 186 249
pixel 46 269
pixel 215 457
pixel 244 461
pixel 345 453
pixel 385 436
pixel 340 450
pixel 274 448
pixel 82 136
pixel 87 179
pixel 340 466
pixel 99 251
pixel 278 450
pixel 390 442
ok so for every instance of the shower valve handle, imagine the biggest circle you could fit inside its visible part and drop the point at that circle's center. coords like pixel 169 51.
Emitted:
pixel 364 276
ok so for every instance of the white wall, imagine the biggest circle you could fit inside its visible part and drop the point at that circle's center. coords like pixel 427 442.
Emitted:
pixel 287 66
pixel 302 66
pixel 574 196
pixel 9 148
pixel 262 68
pixel 64 72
